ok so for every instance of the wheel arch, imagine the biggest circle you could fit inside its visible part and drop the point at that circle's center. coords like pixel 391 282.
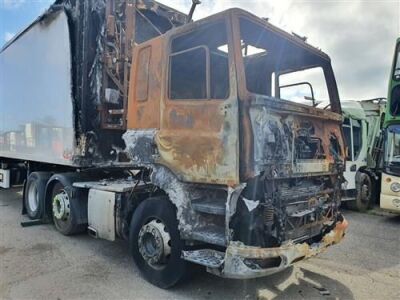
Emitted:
pixel 177 192
pixel 66 179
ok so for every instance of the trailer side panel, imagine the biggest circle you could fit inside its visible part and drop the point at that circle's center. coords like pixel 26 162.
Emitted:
pixel 36 115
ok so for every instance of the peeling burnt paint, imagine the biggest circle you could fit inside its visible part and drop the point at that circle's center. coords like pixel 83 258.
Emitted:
pixel 142 151
pixel 179 194
pixel 287 140
pixel 140 144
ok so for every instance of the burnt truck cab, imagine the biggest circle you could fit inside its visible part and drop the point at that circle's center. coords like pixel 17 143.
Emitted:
pixel 255 179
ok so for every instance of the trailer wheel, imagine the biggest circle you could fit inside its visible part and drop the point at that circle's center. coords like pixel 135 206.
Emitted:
pixel 364 193
pixel 155 242
pixel 65 210
pixel 34 194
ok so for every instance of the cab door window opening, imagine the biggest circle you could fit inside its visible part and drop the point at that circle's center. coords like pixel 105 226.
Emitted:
pixel 352 130
pixel 199 64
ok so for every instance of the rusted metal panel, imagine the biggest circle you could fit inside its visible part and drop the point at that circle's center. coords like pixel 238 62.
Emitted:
pixel 198 139
pixel 144 112
pixel 195 141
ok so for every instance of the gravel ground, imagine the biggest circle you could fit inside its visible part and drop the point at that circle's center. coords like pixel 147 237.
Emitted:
pixel 39 263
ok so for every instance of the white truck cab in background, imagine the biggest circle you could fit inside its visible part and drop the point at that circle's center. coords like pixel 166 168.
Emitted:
pixel 362 125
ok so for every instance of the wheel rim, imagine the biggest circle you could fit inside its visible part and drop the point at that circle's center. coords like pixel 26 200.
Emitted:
pixel 33 198
pixel 154 243
pixel 365 192
pixel 61 206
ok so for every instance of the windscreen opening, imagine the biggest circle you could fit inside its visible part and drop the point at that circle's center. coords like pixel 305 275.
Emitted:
pixel 278 67
pixel 392 146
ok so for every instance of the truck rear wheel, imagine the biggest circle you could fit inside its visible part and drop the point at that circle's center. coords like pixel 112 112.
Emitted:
pixel 34 194
pixel 65 211
pixel 155 242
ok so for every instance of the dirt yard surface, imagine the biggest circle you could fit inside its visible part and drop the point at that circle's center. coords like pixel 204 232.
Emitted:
pixel 39 263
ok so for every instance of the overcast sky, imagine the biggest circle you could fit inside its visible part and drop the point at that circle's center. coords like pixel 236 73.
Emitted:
pixel 359 36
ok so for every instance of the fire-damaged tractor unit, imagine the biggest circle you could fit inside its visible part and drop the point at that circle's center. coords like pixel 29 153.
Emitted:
pixel 195 141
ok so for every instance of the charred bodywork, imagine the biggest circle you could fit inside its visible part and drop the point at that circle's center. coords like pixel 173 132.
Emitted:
pixel 246 170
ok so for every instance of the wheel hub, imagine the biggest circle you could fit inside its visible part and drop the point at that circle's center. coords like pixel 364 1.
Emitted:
pixel 154 243
pixel 33 197
pixel 365 191
pixel 61 206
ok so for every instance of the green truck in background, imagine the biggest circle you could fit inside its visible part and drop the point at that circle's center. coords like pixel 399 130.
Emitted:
pixel 390 179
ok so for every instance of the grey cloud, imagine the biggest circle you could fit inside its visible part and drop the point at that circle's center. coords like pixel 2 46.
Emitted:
pixel 359 36
pixel 11 4
pixel 360 40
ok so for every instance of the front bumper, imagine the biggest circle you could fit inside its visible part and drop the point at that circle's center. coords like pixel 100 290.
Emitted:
pixel 241 261
pixel 390 203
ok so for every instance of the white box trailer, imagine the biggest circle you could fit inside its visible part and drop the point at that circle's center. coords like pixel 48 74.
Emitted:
pixel 36 91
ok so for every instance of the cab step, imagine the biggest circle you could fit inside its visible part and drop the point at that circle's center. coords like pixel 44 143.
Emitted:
pixel 211 234
pixel 205 257
pixel 209 206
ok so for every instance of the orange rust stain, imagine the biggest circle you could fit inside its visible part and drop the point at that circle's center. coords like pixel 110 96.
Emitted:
pixel 186 152
pixel 144 111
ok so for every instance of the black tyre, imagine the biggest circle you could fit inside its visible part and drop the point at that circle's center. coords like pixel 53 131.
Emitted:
pixel 65 210
pixel 155 242
pixel 364 197
pixel 34 194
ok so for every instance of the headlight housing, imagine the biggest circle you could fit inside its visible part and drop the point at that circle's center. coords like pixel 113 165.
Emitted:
pixel 395 187
pixel 396 202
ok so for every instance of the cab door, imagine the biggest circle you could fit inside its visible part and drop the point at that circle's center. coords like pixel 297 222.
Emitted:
pixel 198 137
pixel 355 132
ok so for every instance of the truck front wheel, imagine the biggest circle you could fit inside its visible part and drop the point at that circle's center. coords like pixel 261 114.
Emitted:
pixel 364 193
pixel 155 242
